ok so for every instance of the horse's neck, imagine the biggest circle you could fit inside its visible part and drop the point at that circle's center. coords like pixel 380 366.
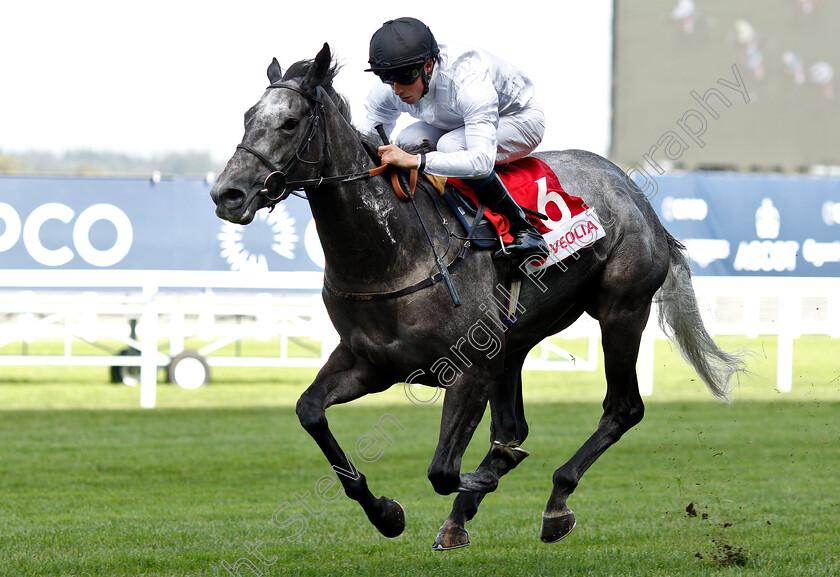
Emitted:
pixel 364 238
pixel 370 237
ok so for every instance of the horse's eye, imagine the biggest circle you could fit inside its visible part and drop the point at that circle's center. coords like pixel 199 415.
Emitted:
pixel 289 124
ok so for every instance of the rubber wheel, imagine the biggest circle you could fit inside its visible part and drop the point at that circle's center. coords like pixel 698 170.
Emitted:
pixel 129 376
pixel 188 370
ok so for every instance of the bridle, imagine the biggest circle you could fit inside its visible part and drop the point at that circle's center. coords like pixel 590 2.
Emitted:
pixel 277 177
pixel 287 186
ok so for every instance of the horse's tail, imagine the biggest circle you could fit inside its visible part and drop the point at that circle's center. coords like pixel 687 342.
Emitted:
pixel 680 320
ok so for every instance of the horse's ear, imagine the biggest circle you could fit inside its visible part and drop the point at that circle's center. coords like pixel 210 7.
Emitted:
pixel 274 72
pixel 319 70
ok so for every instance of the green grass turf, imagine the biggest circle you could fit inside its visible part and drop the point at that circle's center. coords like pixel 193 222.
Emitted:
pixel 87 490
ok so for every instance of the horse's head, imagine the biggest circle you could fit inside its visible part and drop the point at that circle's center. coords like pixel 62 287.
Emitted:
pixel 283 142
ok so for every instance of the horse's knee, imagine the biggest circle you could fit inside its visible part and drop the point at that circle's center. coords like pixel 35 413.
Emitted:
pixel 444 482
pixel 311 413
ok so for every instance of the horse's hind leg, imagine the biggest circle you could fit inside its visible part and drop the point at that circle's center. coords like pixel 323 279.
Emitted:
pixel 343 378
pixel 623 408
pixel 508 430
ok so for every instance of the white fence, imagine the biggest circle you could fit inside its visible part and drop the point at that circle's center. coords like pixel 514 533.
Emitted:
pixel 211 307
pixel 97 306
pixel 139 309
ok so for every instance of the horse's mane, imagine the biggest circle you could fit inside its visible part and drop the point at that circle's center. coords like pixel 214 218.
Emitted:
pixel 298 70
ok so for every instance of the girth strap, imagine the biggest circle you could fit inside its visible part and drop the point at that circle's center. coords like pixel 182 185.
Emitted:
pixel 379 296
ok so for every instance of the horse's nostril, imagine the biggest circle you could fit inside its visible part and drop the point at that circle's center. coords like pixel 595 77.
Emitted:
pixel 232 197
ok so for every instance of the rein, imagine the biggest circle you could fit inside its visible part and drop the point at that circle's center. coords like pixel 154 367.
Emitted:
pixel 442 267
pixel 288 186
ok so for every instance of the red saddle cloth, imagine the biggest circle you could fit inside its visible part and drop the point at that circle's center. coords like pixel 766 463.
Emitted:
pixel 533 185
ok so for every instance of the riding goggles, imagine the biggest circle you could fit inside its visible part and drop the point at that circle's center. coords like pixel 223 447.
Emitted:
pixel 400 76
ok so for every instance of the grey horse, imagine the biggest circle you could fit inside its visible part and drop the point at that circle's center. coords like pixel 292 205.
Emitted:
pixel 396 319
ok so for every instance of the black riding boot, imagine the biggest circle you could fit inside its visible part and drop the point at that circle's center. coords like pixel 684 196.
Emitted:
pixel 526 240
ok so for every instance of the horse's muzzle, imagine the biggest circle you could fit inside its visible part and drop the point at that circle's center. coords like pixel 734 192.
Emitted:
pixel 234 205
pixel 231 198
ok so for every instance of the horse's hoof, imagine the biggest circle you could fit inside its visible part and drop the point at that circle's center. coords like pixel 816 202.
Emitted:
pixel 451 536
pixel 390 519
pixel 555 528
pixel 482 481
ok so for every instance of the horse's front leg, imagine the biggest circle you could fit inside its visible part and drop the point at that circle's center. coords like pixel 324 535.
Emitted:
pixel 343 378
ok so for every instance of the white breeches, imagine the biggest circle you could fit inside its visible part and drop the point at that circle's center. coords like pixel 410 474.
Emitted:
pixel 516 136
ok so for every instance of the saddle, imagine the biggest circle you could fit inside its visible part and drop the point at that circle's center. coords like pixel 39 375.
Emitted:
pixel 480 231
pixel 567 223
pixel 531 183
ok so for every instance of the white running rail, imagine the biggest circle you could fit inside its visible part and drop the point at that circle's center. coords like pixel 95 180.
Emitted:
pixel 211 306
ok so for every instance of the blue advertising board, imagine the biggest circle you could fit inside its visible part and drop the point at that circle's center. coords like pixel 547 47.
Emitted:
pixel 752 224
pixel 134 224
pixel 732 224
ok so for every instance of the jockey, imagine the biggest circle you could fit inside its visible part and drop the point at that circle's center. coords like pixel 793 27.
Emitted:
pixel 475 109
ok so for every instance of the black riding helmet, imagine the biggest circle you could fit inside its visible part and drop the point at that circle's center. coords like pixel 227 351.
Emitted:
pixel 401 47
